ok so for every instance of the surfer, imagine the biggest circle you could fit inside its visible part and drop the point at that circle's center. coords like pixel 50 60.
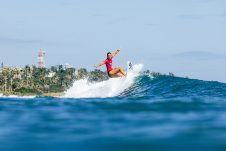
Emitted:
pixel 112 72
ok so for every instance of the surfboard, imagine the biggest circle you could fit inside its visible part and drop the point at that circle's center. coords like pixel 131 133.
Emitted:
pixel 129 66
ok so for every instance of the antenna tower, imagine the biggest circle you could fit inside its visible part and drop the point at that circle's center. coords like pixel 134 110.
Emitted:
pixel 41 62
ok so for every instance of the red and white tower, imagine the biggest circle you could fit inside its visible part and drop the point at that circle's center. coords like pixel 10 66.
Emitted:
pixel 41 54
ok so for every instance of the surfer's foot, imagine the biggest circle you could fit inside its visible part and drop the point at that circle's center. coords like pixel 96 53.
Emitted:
pixel 124 73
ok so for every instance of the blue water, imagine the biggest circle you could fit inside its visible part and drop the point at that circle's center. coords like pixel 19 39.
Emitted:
pixel 162 113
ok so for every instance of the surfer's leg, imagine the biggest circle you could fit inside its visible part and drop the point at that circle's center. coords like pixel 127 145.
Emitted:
pixel 122 71
pixel 116 73
pixel 119 74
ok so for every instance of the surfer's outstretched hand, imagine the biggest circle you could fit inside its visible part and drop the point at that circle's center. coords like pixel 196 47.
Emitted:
pixel 119 49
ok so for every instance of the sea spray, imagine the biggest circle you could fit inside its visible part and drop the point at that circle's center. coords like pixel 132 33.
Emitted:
pixel 110 88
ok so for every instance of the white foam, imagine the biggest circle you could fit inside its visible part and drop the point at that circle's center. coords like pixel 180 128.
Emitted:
pixel 110 88
pixel 16 96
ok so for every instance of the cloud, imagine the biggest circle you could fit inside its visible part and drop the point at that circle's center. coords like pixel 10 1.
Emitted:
pixel 190 16
pixel 6 40
pixel 201 55
pixel 150 24
pixel 66 2
pixel 205 1
pixel 99 15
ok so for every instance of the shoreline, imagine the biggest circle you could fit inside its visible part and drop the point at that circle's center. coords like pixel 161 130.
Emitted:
pixel 49 94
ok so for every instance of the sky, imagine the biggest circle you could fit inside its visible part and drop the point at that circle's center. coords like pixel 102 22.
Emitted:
pixel 185 37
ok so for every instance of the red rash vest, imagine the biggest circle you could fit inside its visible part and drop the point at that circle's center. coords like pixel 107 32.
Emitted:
pixel 108 63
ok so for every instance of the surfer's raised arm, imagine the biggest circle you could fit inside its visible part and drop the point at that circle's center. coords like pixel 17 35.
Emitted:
pixel 116 52
pixel 100 64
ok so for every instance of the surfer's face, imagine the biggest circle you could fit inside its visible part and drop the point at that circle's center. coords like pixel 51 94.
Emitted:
pixel 109 56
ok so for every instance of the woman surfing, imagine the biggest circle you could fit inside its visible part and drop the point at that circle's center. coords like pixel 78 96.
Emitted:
pixel 112 72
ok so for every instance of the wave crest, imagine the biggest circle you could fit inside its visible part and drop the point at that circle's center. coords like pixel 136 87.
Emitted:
pixel 110 88
pixel 145 85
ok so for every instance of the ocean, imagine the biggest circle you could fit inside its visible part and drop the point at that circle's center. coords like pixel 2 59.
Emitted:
pixel 136 113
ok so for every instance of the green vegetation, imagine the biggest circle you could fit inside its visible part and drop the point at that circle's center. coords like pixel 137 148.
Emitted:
pixel 157 74
pixel 31 80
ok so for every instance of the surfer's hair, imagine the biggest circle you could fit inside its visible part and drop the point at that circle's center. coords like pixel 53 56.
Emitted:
pixel 108 54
